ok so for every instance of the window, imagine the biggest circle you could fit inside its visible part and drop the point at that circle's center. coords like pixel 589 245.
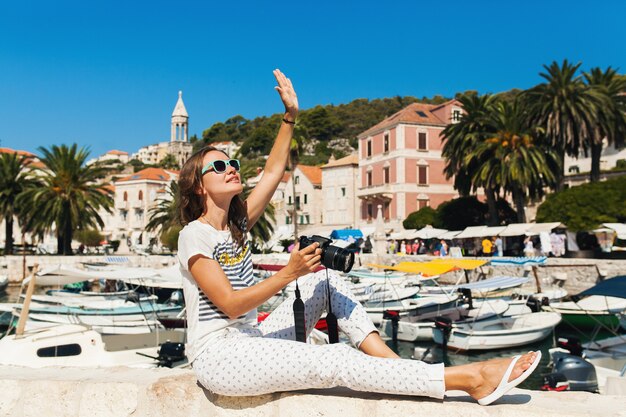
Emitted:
pixel 369 148
pixel 343 191
pixel 287 219
pixel 386 210
pixel 305 199
pixel 421 203
pixel 289 202
pixel 297 180
pixel 422 143
pixel 386 175
pixel 140 195
pixel 386 143
pixel 125 196
pixel 60 350
pixel 422 175
pixel 421 113
pixel 369 179
pixel 123 213
pixel 370 211
pixel 308 219
pixel 297 202
pixel 456 116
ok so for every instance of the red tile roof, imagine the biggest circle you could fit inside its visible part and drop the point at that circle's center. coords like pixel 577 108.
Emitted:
pixel 9 150
pixel 314 174
pixel 151 174
pixel 416 113
pixel 286 177
pixel 116 152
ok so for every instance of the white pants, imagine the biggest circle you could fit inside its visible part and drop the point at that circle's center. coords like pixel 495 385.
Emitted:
pixel 266 359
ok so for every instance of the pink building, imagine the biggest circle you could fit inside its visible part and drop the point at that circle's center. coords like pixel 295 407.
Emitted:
pixel 400 163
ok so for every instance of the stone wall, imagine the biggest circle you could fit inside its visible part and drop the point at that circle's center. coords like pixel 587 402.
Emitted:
pixel 124 392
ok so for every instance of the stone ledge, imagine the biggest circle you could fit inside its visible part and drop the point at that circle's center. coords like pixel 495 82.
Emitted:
pixel 164 392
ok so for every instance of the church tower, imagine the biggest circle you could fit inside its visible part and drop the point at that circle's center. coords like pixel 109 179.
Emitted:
pixel 180 120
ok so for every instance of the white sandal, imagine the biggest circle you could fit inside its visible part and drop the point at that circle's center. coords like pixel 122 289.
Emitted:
pixel 505 385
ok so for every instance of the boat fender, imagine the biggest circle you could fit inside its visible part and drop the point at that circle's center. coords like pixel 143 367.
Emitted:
pixel 571 344
pixel 444 324
pixel 394 317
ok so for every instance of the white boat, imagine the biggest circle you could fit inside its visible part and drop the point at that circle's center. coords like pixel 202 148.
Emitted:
pixel 79 346
pixel 405 300
pixel 499 332
pixel 417 329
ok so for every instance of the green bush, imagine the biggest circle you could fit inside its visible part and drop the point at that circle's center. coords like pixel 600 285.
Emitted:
pixel 421 218
pixel 89 237
pixel 586 206
pixel 461 212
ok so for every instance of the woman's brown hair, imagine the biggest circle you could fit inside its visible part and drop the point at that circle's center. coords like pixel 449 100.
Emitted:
pixel 192 201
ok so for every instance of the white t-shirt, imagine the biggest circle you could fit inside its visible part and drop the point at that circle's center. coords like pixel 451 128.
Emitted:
pixel 205 321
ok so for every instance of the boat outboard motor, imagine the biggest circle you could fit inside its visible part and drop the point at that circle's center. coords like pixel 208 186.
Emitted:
pixel 579 374
pixel 171 352
pixel 467 297
pixel 534 304
pixel 176 298
pixel 444 324
pixel 571 344
pixel 394 317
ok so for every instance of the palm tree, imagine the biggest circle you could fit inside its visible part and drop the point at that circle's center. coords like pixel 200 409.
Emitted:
pixel 512 159
pixel 70 194
pixel 164 214
pixel 14 179
pixel 610 89
pixel 565 108
pixel 263 229
pixel 461 139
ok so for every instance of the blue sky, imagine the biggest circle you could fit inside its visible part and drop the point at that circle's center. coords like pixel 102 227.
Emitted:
pixel 106 74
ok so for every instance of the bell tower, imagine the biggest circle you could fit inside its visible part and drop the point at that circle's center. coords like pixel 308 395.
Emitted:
pixel 180 121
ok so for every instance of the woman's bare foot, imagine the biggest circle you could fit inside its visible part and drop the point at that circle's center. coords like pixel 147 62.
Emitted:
pixel 489 374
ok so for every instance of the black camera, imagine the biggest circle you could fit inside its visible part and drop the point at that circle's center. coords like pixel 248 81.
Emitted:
pixel 333 257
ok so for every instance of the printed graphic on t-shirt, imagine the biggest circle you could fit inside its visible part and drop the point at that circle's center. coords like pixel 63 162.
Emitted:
pixel 237 265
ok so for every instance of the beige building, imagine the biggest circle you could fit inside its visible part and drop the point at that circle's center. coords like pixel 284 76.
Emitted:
pixel 112 155
pixel 134 196
pixel 178 145
pixel 340 205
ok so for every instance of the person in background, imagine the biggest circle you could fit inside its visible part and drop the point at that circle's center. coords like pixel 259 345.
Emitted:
pixel 443 248
pixel 499 246
pixel 403 248
pixel 529 248
pixel 416 246
pixel 487 247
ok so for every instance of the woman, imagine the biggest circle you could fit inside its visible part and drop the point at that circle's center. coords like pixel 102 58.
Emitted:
pixel 232 355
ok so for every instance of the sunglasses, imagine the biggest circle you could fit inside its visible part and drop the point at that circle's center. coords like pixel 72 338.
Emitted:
pixel 219 165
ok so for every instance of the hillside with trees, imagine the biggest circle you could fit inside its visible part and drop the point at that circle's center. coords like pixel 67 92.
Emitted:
pixel 321 130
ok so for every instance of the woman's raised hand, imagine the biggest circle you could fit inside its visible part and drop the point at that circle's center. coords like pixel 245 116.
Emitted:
pixel 287 94
pixel 304 261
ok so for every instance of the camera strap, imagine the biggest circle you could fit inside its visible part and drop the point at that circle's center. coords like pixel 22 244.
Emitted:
pixel 298 315
pixel 331 319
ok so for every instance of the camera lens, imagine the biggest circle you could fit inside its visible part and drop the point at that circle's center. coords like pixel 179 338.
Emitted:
pixel 338 258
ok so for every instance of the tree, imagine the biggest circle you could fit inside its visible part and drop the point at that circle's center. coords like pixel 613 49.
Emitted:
pixel 70 194
pixel 164 215
pixel 263 229
pixel 169 162
pixel 462 212
pixel 14 179
pixel 565 108
pixel 169 237
pixel 422 217
pixel 586 206
pixel 460 141
pixel 610 91
pixel 512 158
